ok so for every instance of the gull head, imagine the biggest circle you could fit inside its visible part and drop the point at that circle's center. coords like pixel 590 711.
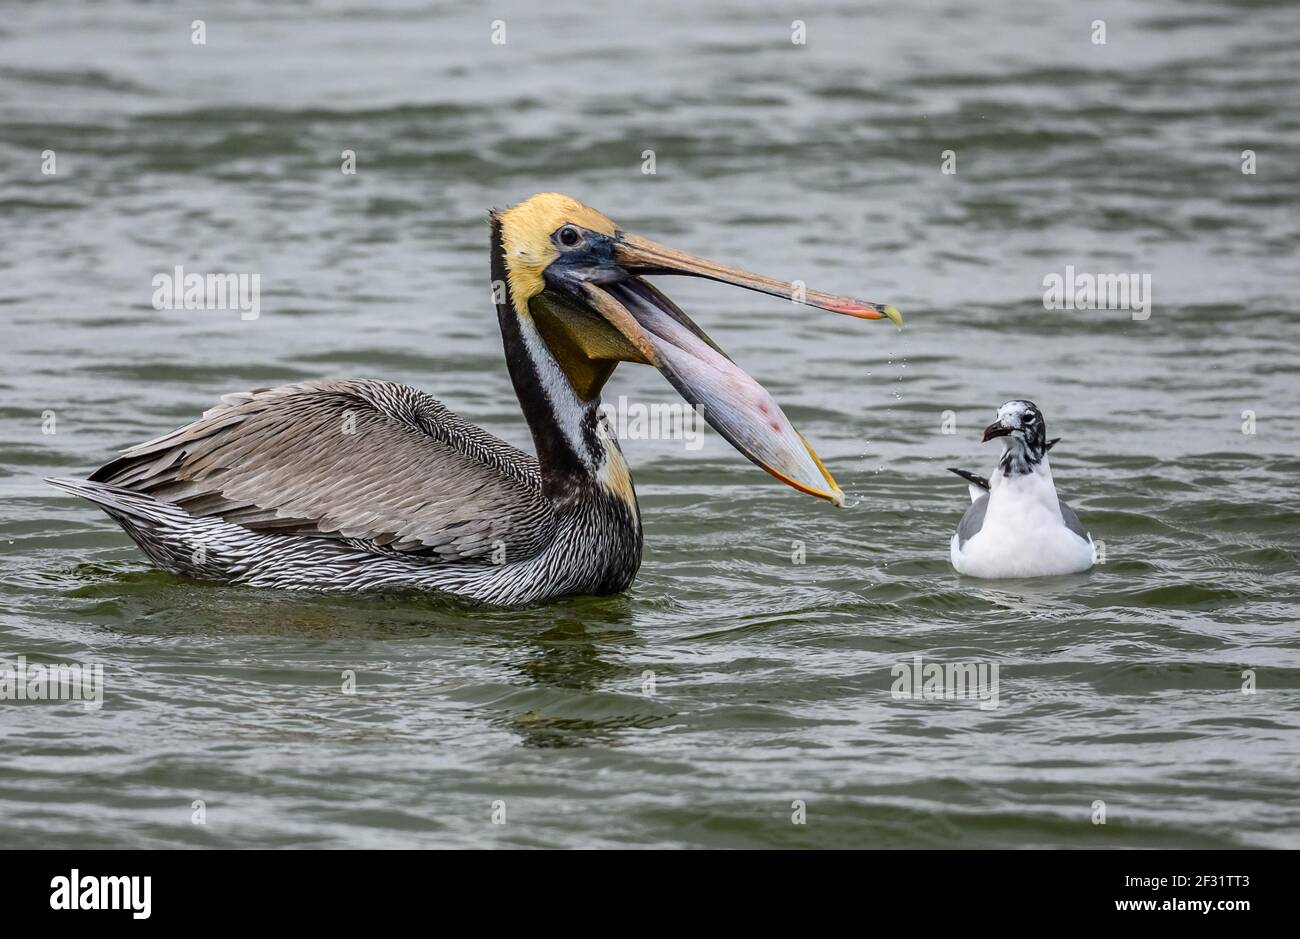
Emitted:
pixel 1020 422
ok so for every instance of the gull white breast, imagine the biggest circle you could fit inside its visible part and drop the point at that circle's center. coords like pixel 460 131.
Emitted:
pixel 1016 525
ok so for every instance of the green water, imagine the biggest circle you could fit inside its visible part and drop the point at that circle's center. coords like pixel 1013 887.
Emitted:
pixel 729 682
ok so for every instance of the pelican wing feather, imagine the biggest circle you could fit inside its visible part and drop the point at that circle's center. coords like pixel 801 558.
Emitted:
pixel 378 464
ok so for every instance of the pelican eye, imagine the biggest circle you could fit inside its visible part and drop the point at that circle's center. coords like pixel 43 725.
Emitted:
pixel 569 236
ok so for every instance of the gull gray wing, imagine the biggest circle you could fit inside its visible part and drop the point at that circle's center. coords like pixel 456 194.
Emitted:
pixel 381 465
pixel 1072 521
pixel 972 521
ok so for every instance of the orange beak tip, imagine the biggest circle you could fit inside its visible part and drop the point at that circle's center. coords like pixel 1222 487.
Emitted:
pixel 872 311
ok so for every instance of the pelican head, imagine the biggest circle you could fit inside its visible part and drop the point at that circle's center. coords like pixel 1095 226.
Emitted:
pixel 578 279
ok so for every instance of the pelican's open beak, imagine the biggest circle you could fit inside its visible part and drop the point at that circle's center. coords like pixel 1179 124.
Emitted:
pixel 735 405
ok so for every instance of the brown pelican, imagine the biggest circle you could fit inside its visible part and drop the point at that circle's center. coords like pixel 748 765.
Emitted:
pixel 364 484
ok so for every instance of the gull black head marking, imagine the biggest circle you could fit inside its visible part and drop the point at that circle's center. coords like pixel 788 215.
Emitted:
pixel 1025 429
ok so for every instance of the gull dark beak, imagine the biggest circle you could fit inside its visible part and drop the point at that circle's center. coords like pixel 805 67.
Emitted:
pixel 733 403
pixel 996 429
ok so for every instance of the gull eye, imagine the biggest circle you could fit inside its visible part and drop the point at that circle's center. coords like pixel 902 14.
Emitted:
pixel 569 236
pixel 1030 416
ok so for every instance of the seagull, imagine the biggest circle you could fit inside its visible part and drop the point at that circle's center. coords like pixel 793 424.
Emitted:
pixel 1016 526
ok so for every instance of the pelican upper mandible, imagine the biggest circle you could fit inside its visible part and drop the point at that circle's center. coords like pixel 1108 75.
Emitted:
pixel 362 484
